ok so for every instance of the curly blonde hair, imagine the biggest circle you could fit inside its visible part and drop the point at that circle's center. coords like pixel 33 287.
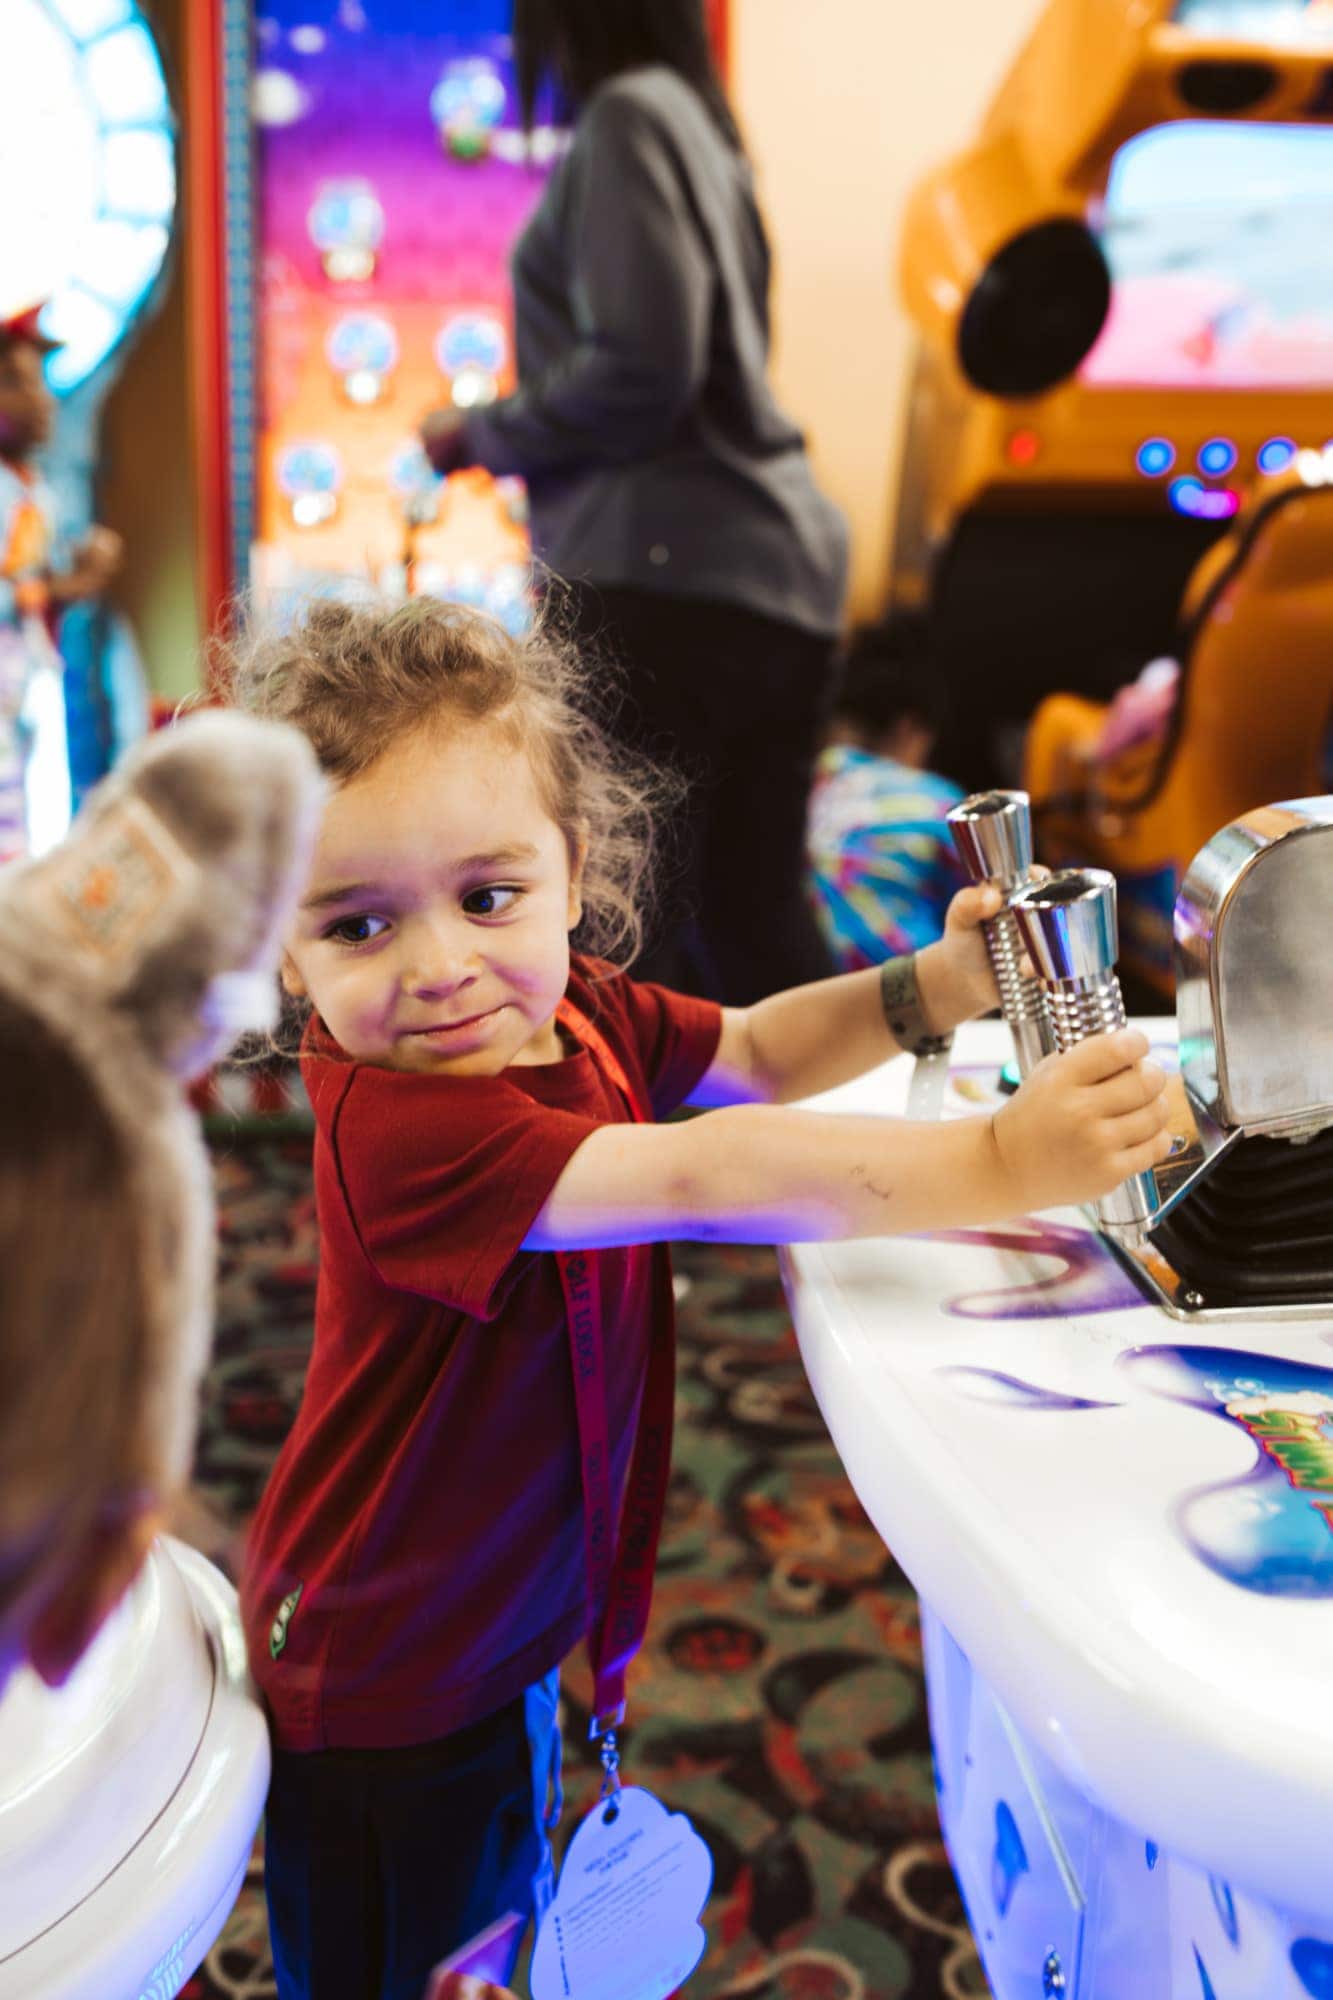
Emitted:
pixel 355 678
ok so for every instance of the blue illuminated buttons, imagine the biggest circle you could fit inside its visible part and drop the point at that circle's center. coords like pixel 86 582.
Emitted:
pixel 1154 457
pixel 1217 457
pixel 1202 503
pixel 1275 455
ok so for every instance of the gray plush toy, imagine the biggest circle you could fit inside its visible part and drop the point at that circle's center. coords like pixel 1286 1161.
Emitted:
pixel 131 957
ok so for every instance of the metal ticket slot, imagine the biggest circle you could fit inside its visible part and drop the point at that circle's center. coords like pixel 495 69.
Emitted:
pixel 1242 1220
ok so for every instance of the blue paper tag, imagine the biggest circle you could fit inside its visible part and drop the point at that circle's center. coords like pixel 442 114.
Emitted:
pixel 624 1924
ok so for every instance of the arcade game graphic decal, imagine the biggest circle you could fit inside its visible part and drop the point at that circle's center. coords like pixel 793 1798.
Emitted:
pixel 1268 1530
pixel 1271 1529
pixel 392 178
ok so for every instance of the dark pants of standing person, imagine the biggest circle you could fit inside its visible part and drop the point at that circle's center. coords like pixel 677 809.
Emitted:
pixel 380 1863
pixel 736 702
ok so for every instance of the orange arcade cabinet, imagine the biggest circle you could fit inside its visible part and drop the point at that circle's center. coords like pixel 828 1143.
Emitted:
pixel 1245 721
pixel 360 177
pixel 1123 322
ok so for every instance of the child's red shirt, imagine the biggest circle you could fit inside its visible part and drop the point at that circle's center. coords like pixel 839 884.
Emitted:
pixel 427 1504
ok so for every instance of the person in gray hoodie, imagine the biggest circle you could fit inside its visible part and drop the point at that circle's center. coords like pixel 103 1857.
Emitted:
pixel 669 491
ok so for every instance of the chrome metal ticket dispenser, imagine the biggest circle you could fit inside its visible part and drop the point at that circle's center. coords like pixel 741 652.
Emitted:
pixel 1242 1221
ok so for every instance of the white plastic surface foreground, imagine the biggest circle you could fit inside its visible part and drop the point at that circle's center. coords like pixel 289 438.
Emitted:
pixel 1077 1486
pixel 129 1798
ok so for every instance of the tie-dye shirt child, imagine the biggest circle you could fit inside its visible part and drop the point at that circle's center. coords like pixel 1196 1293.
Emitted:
pixel 882 868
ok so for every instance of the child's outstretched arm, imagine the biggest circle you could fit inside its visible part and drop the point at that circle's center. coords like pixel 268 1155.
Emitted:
pixel 812 1038
pixel 1081 1124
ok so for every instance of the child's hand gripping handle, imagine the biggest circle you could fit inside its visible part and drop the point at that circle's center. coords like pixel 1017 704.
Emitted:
pixel 992 832
pixel 1068 924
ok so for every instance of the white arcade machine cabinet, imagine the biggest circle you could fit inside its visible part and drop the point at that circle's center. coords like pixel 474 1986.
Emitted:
pixel 1107 1468
pixel 129 1798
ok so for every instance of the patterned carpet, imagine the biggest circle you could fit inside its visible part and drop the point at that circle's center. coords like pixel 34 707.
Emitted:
pixel 779 1700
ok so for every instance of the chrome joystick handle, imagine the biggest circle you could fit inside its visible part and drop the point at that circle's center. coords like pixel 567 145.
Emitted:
pixel 992 832
pixel 1068 924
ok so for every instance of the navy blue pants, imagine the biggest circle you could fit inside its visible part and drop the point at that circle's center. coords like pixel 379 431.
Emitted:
pixel 379 1863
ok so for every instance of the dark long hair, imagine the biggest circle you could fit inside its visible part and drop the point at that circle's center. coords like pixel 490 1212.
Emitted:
pixel 571 46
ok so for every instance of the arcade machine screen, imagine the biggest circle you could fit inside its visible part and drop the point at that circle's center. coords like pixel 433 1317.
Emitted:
pixel 392 179
pixel 1208 229
pixel 1299 24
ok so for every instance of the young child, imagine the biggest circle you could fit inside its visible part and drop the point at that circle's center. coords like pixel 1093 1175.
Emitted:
pixel 882 867
pixel 38 578
pixel 492 1185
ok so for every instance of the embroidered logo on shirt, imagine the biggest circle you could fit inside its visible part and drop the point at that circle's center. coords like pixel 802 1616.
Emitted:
pixel 277 1637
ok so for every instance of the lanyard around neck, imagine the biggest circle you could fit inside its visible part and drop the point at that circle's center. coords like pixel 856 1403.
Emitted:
pixel 619 1564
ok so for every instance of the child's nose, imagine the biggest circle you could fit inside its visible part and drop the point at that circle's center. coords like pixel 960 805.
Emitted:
pixel 444 959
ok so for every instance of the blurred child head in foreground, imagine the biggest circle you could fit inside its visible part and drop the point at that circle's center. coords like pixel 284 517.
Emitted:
pixel 137 951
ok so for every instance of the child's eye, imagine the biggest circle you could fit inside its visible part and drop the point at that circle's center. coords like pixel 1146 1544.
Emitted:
pixel 360 929
pixel 490 902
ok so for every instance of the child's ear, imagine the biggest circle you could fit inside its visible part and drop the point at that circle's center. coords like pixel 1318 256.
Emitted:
pixel 292 983
pixel 578 862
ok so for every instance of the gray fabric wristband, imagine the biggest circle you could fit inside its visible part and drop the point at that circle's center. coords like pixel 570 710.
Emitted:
pixel 900 997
